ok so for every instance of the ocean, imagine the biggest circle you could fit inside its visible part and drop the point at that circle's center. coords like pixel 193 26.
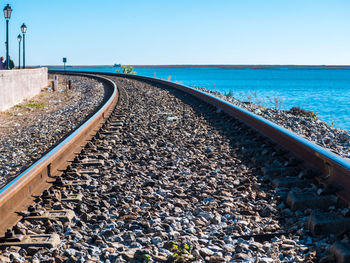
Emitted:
pixel 324 90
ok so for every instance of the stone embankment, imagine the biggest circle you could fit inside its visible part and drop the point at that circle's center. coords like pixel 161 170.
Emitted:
pixel 311 128
pixel 174 185
pixel 29 129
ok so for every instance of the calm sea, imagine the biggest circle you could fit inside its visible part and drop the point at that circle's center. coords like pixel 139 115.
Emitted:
pixel 323 90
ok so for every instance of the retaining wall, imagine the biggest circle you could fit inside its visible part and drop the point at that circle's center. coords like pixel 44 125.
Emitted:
pixel 17 85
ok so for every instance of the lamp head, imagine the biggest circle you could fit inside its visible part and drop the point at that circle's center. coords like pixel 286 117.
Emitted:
pixel 24 28
pixel 7 11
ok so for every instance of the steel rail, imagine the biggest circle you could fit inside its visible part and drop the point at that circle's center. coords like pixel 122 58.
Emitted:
pixel 329 168
pixel 21 191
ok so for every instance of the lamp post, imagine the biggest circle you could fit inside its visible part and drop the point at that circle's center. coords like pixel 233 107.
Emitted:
pixel 7 14
pixel 64 60
pixel 19 38
pixel 24 31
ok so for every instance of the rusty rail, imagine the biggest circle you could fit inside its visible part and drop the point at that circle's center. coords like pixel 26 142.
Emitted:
pixel 330 168
pixel 20 192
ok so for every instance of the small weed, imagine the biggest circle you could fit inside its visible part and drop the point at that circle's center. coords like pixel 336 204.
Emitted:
pixel 276 102
pixel 249 97
pixel 44 94
pixel 229 94
pixel 297 111
pixel 33 105
pixel 333 123
pixel 260 101
pixel 36 105
pixel 147 258
pixel 127 70
pixel 20 106
pixel 314 116
pixel 181 253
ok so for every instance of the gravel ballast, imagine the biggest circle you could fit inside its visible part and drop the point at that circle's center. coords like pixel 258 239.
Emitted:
pixel 298 121
pixel 172 185
pixel 311 128
pixel 29 129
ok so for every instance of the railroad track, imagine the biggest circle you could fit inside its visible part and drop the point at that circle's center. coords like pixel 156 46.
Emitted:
pixel 161 155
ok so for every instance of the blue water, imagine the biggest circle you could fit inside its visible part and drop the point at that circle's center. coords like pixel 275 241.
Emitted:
pixel 323 90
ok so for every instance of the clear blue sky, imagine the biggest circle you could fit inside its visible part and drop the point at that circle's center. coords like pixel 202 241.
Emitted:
pixel 181 31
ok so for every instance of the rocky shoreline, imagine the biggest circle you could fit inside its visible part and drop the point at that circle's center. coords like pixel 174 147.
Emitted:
pixel 305 124
pixel 29 129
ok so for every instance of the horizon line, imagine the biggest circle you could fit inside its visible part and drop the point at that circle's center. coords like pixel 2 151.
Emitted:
pixel 200 65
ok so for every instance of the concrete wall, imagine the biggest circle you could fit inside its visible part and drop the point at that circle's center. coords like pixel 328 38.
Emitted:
pixel 17 85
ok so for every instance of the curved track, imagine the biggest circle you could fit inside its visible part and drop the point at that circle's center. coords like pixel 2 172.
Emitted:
pixel 19 193
pixel 330 168
pixel 331 171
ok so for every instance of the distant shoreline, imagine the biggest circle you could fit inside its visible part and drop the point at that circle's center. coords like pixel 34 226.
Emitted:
pixel 346 67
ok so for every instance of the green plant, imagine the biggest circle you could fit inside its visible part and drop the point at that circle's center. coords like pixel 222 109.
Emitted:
pixel 44 94
pixel 19 106
pixel 333 123
pixel 36 105
pixel 276 101
pixel 260 101
pixel 127 70
pixel 297 111
pixel 249 97
pixel 147 258
pixel 313 115
pixel 181 253
pixel 229 94
pixel 32 104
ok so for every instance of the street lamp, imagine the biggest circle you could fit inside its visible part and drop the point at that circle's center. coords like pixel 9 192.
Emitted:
pixel 24 31
pixel 19 38
pixel 7 14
